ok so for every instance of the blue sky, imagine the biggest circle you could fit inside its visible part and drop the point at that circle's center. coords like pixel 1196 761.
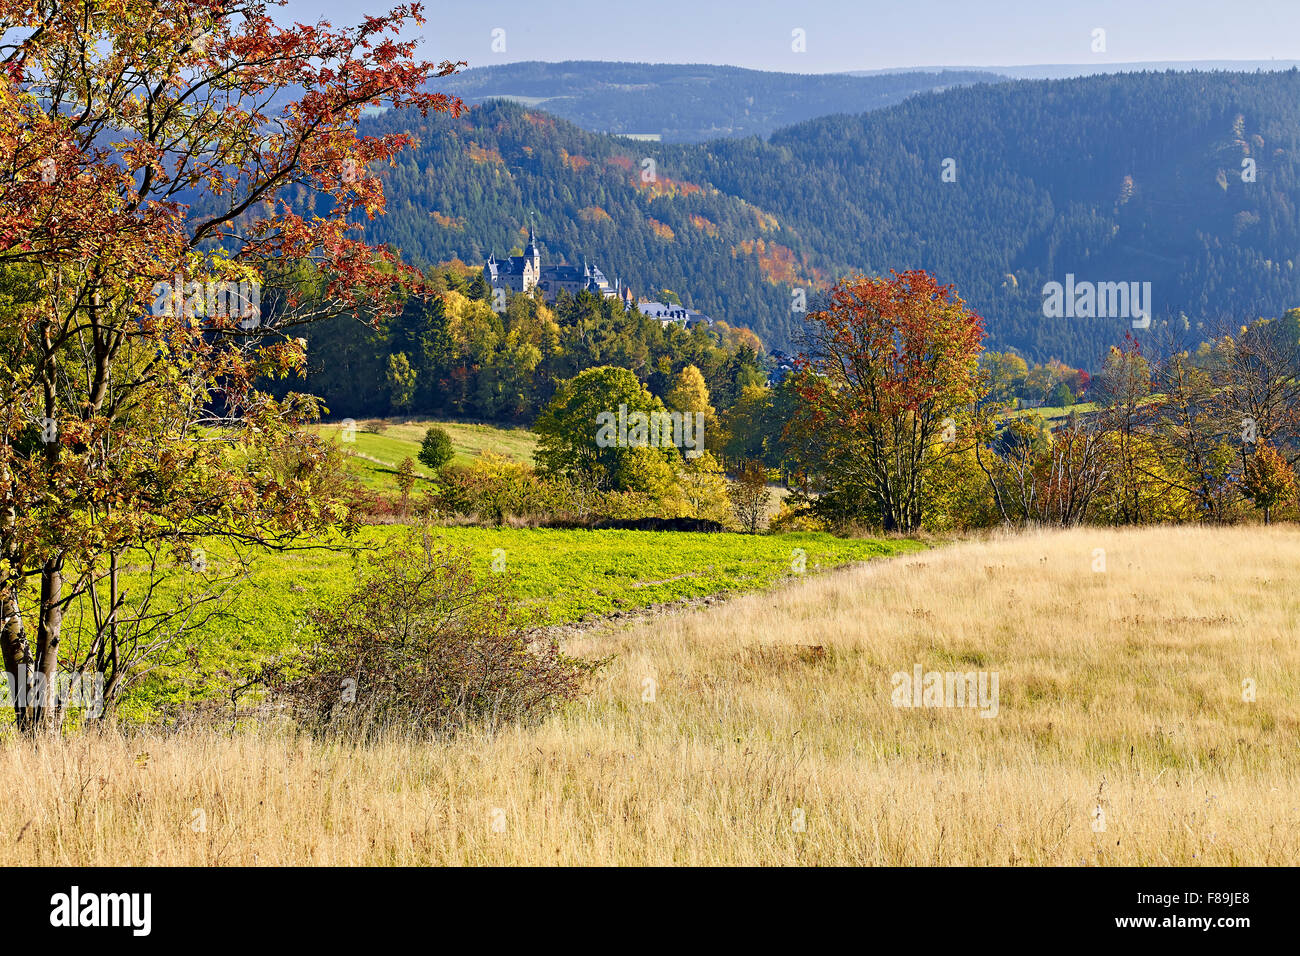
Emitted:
pixel 843 34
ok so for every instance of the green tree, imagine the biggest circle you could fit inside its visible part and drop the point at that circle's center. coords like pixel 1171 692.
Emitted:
pixel 1062 397
pixel 401 381
pixel 591 427
pixel 750 427
pixel 436 449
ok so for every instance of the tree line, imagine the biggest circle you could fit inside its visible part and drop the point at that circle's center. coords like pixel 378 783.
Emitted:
pixel 900 427
pixel 448 354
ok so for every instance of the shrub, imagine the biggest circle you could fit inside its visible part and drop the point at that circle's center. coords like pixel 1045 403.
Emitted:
pixel 492 488
pixel 425 645
pixel 436 449
pixel 406 482
pixel 790 519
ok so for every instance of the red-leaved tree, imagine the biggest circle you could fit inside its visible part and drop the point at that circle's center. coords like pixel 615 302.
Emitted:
pixel 888 384
pixel 181 185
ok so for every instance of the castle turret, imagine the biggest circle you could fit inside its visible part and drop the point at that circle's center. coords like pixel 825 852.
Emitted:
pixel 531 251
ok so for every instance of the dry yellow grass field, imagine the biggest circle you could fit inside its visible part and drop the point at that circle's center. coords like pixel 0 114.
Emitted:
pixel 1119 689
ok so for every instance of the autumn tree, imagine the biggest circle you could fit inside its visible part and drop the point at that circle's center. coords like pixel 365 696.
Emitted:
pixel 1056 481
pixel 1258 373
pixel 1268 480
pixel 750 495
pixel 1006 375
pixel 689 393
pixel 1214 408
pixel 182 180
pixel 703 489
pixel 1122 389
pixel 888 383
pixel 1194 436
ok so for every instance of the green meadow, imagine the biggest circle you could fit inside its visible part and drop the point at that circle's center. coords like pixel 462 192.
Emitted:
pixel 377 447
pixel 567 575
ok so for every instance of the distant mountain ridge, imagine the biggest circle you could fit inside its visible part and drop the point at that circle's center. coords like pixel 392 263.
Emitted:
pixel 690 103
pixel 1065 71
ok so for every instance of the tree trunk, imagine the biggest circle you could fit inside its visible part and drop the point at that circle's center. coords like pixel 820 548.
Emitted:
pixel 17 655
pixel 13 636
pixel 47 710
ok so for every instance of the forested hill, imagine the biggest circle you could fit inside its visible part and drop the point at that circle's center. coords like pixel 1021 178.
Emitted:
pixel 467 190
pixel 1132 177
pixel 1123 178
pixel 691 103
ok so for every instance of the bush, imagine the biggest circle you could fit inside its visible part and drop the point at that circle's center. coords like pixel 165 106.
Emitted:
pixel 436 449
pixel 791 519
pixel 492 488
pixel 424 645
pixel 1062 397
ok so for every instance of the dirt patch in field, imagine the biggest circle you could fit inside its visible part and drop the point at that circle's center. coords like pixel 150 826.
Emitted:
pixel 783 657
pixel 637 616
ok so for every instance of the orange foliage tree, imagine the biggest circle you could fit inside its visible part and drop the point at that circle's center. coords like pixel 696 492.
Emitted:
pixel 1268 480
pixel 888 385
pixel 181 185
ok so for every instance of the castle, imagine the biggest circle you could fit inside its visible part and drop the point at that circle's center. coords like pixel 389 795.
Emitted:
pixel 526 273
pixel 523 274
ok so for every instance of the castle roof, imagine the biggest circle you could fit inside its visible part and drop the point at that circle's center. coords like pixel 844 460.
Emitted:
pixel 671 313
pixel 562 273
pixel 512 266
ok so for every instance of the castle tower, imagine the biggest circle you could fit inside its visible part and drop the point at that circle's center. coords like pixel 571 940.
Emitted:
pixel 532 255
pixel 531 251
pixel 531 266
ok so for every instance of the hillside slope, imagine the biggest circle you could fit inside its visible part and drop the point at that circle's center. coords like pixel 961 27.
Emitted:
pixel 469 188
pixel 1127 178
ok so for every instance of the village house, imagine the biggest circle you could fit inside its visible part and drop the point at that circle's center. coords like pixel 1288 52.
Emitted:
pixel 686 318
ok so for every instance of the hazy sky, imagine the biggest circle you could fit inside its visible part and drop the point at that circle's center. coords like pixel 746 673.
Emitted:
pixel 844 34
